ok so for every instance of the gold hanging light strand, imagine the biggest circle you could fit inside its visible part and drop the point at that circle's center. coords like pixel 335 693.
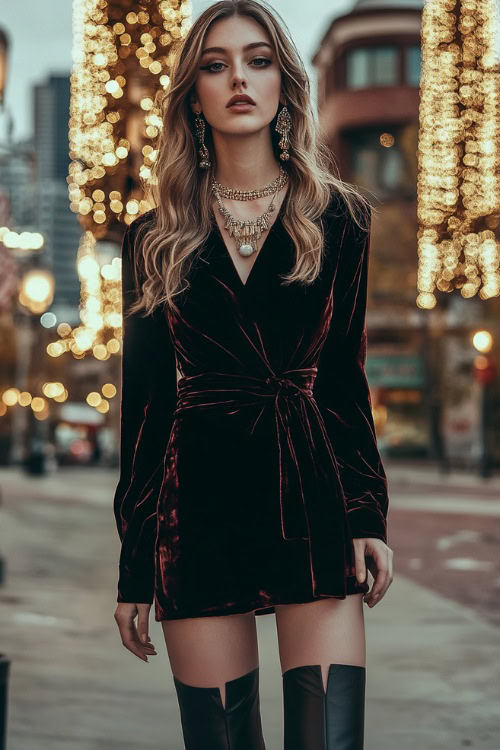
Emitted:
pixel 100 308
pixel 121 64
pixel 459 151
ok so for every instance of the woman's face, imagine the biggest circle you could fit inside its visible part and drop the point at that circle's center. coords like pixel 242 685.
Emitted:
pixel 235 70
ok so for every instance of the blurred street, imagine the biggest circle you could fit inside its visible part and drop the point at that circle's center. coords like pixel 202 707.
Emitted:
pixel 433 667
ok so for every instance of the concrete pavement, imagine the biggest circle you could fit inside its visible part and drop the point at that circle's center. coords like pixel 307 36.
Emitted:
pixel 429 476
pixel 433 666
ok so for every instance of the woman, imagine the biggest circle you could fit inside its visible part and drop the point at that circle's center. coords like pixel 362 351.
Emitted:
pixel 253 485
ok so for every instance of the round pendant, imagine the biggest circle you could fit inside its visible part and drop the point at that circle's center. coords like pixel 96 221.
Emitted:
pixel 245 250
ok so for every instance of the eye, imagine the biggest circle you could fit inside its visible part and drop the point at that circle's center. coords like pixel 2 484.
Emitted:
pixel 210 66
pixel 264 60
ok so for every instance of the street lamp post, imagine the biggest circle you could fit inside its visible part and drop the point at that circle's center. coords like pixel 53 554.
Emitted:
pixel 5 115
pixel 36 294
pixel 4 659
pixel 485 463
pixel 484 373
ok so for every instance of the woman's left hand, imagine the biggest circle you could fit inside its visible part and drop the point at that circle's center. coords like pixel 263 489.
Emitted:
pixel 375 555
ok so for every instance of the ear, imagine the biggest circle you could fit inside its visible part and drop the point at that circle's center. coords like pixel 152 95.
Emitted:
pixel 195 105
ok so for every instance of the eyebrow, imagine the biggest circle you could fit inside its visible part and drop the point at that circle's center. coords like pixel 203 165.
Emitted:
pixel 252 45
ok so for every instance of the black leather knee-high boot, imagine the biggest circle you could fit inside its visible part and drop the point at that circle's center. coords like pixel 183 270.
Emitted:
pixel 314 720
pixel 208 725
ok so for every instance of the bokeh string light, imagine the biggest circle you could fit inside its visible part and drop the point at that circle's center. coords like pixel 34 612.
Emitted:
pixel 459 151
pixel 122 52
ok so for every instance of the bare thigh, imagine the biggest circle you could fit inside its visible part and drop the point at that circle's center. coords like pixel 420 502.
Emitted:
pixel 329 631
pixel 209 651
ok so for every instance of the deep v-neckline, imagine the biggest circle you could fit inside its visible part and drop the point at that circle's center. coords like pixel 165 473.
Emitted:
pixel 229 257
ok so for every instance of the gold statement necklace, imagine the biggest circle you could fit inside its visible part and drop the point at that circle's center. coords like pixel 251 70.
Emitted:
pixel 247 233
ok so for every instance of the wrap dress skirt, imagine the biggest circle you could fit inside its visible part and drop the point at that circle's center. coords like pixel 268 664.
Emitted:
pixel 248 453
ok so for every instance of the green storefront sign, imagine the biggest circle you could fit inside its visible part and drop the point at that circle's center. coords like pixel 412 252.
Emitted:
pixel 395 370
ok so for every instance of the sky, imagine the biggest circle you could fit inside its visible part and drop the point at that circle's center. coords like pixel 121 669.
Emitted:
pixel 41 39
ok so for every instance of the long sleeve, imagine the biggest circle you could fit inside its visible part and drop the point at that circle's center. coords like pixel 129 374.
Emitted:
pixel 341 386
pixel 148 400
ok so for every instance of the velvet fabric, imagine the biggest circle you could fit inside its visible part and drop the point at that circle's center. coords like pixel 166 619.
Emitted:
pixel 243 484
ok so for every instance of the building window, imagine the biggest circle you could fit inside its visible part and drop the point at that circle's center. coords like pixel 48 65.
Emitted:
pixel 372 66
pixel 388 172
pixel 413 63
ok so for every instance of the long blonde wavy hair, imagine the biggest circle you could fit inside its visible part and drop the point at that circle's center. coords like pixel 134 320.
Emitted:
pixel 181 191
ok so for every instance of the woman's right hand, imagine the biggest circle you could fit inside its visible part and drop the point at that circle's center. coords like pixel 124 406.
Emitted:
pixel 135 638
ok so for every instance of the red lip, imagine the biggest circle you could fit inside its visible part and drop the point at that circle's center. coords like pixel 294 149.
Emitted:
pixel 240 98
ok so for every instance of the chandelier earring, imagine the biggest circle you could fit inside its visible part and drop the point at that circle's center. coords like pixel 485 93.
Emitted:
pixel 283 127
pixel 199 123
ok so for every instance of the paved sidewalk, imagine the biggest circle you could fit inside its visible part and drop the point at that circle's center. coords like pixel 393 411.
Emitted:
pixel 423 474
pixel 433 667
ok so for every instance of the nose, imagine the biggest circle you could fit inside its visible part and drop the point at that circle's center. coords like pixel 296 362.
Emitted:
pixel 238 80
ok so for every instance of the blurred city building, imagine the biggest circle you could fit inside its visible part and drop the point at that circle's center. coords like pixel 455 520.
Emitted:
pixel 34 198
pixel 17 185
pixel 54 218
pixel 420 363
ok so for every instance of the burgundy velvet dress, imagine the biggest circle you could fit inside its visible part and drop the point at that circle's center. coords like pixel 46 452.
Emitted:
pixel 243 483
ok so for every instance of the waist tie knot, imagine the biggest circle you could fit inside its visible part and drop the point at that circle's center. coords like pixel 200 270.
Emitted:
pixel 311 497
pixel 280 384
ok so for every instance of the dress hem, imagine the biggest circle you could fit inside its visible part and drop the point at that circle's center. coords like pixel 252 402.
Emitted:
pixel 258 608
